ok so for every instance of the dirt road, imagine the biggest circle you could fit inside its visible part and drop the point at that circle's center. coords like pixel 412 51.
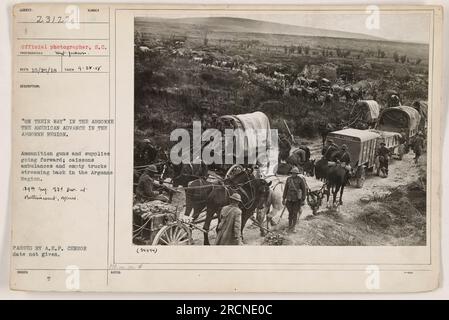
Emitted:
pixel 349 224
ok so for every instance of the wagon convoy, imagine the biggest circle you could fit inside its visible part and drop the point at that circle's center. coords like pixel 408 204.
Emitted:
pixel 208 189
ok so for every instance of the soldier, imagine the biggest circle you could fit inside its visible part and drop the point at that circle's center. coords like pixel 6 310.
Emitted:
pixel 205 121
pixel 394 101
pixel 324 150
pixel 383 153
pixel 418 145
pixel 403 147
pixel 229 229
pixel 344 156
pixel 145 186
pixel 257 172
pixel 329 150
pixel 148 151
pixel 293 197
pixel 284 147
pixel 214 121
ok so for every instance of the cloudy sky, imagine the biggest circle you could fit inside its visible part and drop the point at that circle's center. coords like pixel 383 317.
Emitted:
pixel 412 26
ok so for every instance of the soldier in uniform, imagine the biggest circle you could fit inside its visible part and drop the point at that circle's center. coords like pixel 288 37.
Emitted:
pixel 418 145
pixel 293 197
pixel 214 120
pixel 229 229
pixel 329 150
pixel 145 187
pixel 324 150
pixel 383 153
pixel 344 156
pixel 394 101
pixel 284 148
pixel 148 151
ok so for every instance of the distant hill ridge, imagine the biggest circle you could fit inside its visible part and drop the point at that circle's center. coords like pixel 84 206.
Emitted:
pixel 232 24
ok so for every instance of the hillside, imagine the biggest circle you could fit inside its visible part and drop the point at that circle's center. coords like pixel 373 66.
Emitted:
pixel 228 24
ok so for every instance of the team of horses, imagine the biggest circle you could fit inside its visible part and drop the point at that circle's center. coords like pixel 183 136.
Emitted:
pixel 257 193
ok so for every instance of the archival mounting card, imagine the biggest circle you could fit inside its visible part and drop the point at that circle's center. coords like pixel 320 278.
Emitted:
pixel 226 148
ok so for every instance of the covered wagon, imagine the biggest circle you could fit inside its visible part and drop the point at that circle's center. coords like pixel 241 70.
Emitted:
pixel 254 135
pixel 366 111
pixel 402 119
pixel 421 107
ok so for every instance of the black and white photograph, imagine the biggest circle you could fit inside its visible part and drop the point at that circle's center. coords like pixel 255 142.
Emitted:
pixel 281 129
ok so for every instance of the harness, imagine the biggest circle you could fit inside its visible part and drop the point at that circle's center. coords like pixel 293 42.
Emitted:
pixel 229 189
pixel 314 197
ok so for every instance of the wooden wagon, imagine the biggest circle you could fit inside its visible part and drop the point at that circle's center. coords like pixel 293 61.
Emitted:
pixel 253 131
pixel 362 146
pixel 366 111
pixel 160 228
pixel 402 119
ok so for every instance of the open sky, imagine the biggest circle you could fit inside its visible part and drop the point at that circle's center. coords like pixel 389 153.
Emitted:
pixel 412 26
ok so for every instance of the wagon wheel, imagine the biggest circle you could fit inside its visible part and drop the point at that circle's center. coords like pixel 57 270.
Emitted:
pixel 173 235
pixel 360 180
pixel 235 169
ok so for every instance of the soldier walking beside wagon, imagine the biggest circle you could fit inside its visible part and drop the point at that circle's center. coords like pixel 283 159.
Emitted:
pixel 384 154
pixel 229 230
pixel 294 197
pixel 418 146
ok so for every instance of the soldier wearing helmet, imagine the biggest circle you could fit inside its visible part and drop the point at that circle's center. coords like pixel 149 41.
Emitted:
pixel 343 155
pixel 418 145
pixel 294 197
pixel 384 154
pixel 229 229
pixel 329 150
pixel 145 186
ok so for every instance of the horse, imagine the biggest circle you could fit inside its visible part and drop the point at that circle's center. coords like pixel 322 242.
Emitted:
pixel 202 194
pixel 301 158
pixel 298 156
pixel 284 149
pixel 309 168
pixel 325 129
pixel 336 181
pixel 187 172
pixel 321 169
pixel 183 173
pixel 272 206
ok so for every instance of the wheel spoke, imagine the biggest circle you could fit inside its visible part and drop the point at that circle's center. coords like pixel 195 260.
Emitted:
pixel 178 233
pixel 166 235
pixel 170 234
pixel 183 233
pixel 183 236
